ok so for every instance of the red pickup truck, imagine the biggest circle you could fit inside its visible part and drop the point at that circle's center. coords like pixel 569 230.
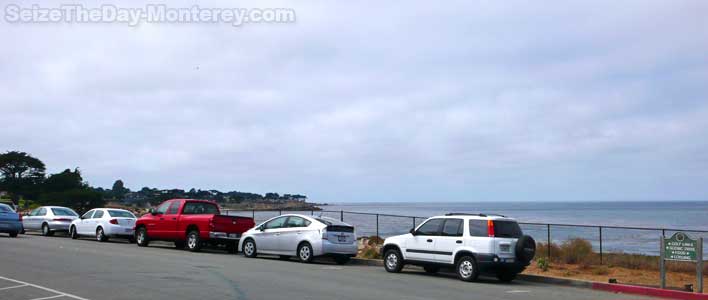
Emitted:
pixel 191 223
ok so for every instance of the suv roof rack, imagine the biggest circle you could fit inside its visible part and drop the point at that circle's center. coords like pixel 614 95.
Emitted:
pixel 474 214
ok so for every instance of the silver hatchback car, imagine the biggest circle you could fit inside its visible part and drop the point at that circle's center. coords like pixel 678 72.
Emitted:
pixel 49 219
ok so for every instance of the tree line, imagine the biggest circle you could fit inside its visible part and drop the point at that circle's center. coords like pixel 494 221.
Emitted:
pixel 23 176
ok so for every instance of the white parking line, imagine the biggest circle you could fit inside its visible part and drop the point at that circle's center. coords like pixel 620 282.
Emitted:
pixel 50 297
pixel 12 287
pixel 60 294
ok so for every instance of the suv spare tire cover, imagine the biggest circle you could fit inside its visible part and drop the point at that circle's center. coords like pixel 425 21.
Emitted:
pixel 525 248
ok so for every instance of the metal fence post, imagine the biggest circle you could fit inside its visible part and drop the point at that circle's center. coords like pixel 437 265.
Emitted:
pixel 312 212
pixel 377 226
pixel 600 244
pixel 280 212
pixel 548 227
pixel 253 213
pixel 699 266
pixel 662 264
pixel 341 215
pixel 413 222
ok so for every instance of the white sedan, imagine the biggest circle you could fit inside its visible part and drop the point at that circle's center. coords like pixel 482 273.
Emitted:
pixel 104 223
pixel 303 236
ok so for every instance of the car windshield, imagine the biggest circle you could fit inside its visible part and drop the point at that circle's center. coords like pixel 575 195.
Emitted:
pixel 120 214
pixel 58 211
pixel 5 208
pixel 509 229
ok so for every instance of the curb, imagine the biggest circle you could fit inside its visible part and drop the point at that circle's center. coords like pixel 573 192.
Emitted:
pixel 615 287
pixel 366 262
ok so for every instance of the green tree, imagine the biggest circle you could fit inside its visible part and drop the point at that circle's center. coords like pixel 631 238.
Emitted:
pixel 68 189
pixel 119 189
pixel 21 174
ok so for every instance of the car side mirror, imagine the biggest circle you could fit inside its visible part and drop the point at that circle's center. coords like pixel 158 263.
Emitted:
pixel 152 211
pixel 261 228
pixel 412 231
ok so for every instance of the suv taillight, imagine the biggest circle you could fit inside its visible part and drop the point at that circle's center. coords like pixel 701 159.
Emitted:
pixel 113 221
pixel 490 228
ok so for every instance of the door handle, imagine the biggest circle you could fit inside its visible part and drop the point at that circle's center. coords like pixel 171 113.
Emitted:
pixel 459 242
pixel 430 241
pixel 174 219
pixel 162 219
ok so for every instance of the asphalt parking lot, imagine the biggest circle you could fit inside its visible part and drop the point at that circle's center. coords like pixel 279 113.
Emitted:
pixel 35 268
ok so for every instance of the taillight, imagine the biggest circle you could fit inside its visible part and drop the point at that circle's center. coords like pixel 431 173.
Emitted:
pixel 211 224
pixel 490 228
pixel 113 221
pixel 324 234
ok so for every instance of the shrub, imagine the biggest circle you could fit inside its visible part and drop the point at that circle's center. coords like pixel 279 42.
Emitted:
pixel 372 253
pixel 576 251
pixel 601 270
pixel 542 264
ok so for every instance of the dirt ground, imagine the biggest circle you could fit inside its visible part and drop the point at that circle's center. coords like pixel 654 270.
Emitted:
pixel 675 280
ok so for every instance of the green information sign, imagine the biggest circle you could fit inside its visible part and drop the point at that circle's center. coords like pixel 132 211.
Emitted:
pixel 680 247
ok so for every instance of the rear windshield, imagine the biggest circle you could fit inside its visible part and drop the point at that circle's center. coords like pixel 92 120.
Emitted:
pixel 508 229
pixel 330 221
pixel 5 208
pixel 64 212
pixel 120 214
pixel 200 208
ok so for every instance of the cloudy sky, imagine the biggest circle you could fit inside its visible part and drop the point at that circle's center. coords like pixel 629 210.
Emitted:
pixel 356 101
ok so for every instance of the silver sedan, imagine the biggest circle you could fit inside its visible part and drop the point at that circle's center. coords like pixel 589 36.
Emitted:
pixel 49 219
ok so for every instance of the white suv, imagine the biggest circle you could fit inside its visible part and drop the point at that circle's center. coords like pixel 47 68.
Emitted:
pixel 469 243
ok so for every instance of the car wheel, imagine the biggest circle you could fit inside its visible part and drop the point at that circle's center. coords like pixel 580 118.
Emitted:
pixel 506 276
pixel 46 231
pixel 100 235
pixel 180 244
pixel 72 233
pixel 305 253
pixel 141 237
pixel 341 259
pixel 467 268
pixel 194 243
pixel 13 234
pixel 249 248
pixel 431 269
pixel 393 261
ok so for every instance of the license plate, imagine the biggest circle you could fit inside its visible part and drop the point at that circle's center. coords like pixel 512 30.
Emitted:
pixel 128 230
pixel 342 238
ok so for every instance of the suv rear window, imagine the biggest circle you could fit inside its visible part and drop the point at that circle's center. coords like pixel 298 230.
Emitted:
pixel 508 229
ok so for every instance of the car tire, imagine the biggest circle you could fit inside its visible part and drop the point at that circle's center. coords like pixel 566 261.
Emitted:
pixel 341 259
pixel 431 269
pixel 13 234
pixel 72 233
pixel 194 242
pixel 180 244
pixel 393 261
pixel 505 276
pixel 141 237
pixel 249 248
pixel 101 235
pixel 305 253
pixel 466 268
pixel 46 231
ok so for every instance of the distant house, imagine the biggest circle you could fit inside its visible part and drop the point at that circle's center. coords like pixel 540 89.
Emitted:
pixel 4 194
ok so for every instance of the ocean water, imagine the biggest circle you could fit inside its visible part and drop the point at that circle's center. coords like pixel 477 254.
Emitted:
pixel 682 215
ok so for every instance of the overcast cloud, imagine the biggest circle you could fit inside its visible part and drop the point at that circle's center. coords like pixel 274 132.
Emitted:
pixel 375 101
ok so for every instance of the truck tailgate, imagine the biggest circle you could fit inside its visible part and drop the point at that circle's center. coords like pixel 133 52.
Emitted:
pixel 232 224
